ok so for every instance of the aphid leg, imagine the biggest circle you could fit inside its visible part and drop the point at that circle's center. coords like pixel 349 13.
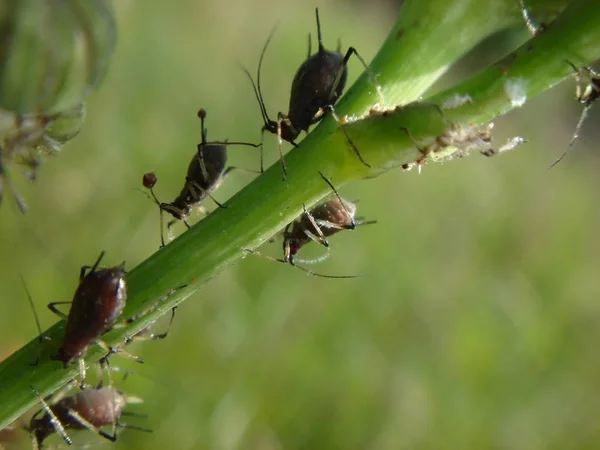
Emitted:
pixel 320 237
pixel 343 128
pixel 290 261
pixel 309 45
pixel 111 350
pixel 352 51
pixel 195 185
pixel 262 255
pixel 58 427
pixel 316 260
pixel 82 372
pixel 230 169
pixel 280 118
pixel 249 144
pixel 200 156
pixel 41 336
pixel 132 427
pixel 52 307
pixel 92 269
pixel 151 336
pixel 86 424
pixel 161 208
pixel 330 184
pixel 533 28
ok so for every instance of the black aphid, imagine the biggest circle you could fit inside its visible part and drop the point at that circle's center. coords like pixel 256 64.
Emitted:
pixel 317 224
pixel 316 87
pixel 89 409
pixel 206 172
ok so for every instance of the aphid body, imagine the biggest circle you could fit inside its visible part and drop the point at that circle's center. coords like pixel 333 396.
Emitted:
pixel 321 222
pixel 206 171
pixel 88 409
pixel 317 224
pixel 316 87
pixel 96 306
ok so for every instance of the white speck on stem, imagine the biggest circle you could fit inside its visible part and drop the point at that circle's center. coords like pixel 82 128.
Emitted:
pixel 516 91
pixel 456 100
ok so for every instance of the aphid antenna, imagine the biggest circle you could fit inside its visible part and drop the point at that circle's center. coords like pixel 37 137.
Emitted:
pixel 319 35
pixel 41 336
pixel 149 180
pixel 268 123
pixel 291 262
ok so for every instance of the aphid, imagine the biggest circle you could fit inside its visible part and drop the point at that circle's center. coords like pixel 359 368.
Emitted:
pixel 205 173
pixel 321 222
pixel 587 90
pixel 95 308
pixel 586 93
pixel 316 87
pixel 89 409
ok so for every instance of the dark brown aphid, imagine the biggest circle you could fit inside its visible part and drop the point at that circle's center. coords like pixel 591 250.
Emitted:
pixel 95 308
pixel 321 222
pixel 207 170
pixel 316 87
pixel 89 409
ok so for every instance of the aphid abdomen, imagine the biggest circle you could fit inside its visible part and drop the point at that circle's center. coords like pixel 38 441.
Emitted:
pixel 98 302
pixel 99 407
pixel 312 88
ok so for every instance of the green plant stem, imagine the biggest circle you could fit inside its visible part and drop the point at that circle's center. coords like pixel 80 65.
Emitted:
pixel 267 204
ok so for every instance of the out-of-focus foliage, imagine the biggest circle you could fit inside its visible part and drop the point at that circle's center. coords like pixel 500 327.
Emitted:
pixel 52 54
pixel 475 326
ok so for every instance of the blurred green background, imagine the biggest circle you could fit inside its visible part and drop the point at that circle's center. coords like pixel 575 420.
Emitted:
pixel 476 326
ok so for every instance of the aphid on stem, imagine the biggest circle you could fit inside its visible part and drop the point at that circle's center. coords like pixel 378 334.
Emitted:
pixel 316 225
pixel 89 409
pixel 316 87
pixel 206 171
pixel 586 93
pixel 587 79
pixel 97 304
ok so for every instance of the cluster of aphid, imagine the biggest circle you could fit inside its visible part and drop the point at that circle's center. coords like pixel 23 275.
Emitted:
pixel 95 310
pixel 101 294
